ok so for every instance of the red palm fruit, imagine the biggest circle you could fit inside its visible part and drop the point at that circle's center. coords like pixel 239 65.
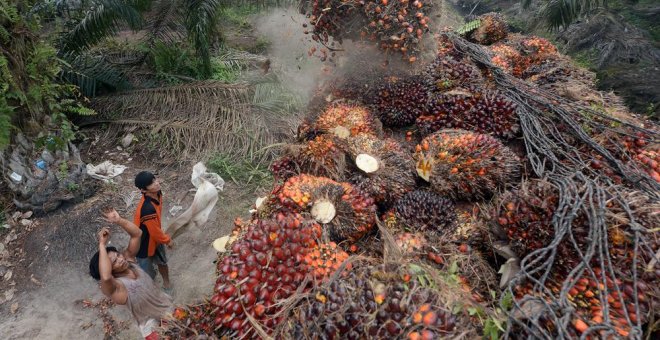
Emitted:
pixel 342 121
pixel 446 73
pixel 325 259
pixel 321 156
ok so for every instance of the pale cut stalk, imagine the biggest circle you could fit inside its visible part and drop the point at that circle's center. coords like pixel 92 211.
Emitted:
pixel 323 211
pixel 367 163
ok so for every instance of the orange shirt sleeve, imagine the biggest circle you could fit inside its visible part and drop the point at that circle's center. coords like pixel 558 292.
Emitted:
pixel 155 232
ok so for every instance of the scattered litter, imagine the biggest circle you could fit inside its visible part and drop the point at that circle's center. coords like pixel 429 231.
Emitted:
pixel 10 237
pixel 27 214
pixel 15 177
pixel 35 281
pixel 127 140
pixel 14 308
pixel 220 243
pixel 8 275
pixel 105 171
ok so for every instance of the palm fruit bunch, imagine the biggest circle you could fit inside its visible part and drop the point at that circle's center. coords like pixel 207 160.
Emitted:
pixel 191 321
pixel 538 50
pixel 424 211
pixel 465 165
pixel 446 73
pixel 343 121
pixel 261 268
pixel 492 28
pixel 283 168
pixel 591 295
pixel 399 101
pixel 375 302
pixel 621 235
pixel 384 171
pixel 324 259
pixel 519 53
pixel 345 211
pixel 321 156
pixel 329 19
pixel 476 110
pixel 525 215
pixel 396 26
pixel 509 59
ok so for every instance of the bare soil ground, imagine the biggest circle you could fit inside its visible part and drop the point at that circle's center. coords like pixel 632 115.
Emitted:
pixel 54 296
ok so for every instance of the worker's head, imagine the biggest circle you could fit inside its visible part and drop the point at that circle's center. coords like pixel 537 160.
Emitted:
pixel 147 182
pixel 118 261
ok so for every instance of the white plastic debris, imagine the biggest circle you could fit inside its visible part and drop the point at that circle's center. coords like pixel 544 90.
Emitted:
pixel 207 184
pixel 105 171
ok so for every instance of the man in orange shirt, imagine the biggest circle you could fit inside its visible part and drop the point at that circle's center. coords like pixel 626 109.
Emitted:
pixel 148 218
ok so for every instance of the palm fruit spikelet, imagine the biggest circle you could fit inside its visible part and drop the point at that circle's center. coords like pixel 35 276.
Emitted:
pixel 399 101
pixel 325 259
pixel 474 110
pixel 462 164
pixel 321 156
pixel 446 73
pixel 261 268
pixel 424 211
pixel 384 170
pixel 492 28
pixel 345 211
pixel 374 302
pixel 343 120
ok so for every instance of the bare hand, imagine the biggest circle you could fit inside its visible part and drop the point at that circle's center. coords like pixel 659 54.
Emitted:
pixel 111 215
pixel 104 235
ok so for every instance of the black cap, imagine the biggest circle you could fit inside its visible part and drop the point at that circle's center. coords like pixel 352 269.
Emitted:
pixel 144 179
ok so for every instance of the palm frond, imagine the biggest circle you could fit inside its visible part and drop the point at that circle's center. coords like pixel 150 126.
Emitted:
pixel 89 72
pixel 275 98
pixel 165 25
pixel 200 21
pixel 561 13
pixel 102 20
pixel 192 120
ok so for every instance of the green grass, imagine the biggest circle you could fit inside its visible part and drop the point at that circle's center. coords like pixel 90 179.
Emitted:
pixel 238 15
pixel 242 172
pixel 585 58
pixel 225 71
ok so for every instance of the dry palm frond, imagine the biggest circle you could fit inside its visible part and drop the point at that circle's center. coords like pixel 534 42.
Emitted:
pixel 193 119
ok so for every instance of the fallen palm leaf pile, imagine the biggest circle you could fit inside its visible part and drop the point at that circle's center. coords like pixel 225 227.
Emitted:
pixel 484 167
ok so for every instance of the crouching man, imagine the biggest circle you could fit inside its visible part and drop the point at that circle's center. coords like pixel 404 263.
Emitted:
pixel 124 282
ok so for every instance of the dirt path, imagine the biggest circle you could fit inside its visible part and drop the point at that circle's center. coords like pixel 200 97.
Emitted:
pixel 51 282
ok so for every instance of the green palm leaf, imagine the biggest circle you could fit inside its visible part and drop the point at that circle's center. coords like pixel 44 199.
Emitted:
pixel 200 20
pixel 103 19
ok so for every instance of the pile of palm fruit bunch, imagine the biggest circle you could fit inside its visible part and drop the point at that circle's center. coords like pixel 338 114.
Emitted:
pixel 466 199
pixel 395 26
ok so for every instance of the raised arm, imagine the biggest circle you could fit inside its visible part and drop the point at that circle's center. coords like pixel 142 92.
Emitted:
pixel 133 231
pixel 108 282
